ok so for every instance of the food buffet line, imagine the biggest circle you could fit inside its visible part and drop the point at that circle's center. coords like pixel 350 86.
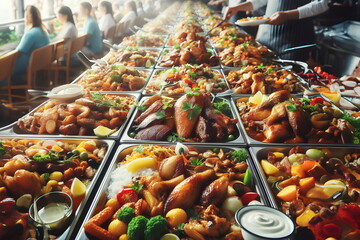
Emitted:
pixel 181 131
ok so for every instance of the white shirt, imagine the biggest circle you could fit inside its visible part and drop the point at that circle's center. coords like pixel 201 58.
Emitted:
pixel 313 8
pixel 68 31
pixel 129 17
pixel 106 22
pixel 140 11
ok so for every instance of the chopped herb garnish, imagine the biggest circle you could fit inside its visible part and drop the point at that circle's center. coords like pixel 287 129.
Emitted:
pixel 174 138
pixel 50 156
pixel 140 107
pixel 100 99
pixel 166 105
pixel 194 92
pixel 116 78
pixel 196 162
pixel 174 70
pixel 160 114
pixel 114 67
pixel 209 51
pixel 192 214
pixel 140 149
pixel 137 187
pixel 291 107
pixel 193 75
pixel 240 155
pixel 89 71
pixel 194 110
pixel 261 65
pixel 177 46
pixel 166 51
pixel 2 149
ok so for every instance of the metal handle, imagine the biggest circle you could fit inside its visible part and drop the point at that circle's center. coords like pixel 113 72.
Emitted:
pixel 84 59
pixel 109 45
pixel 288 50
pixel 221 22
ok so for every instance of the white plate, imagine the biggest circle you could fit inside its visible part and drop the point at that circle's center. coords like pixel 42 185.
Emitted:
pixel 252 22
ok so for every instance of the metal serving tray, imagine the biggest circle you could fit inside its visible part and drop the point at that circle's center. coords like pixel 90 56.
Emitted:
pixel 101 196
pixel 157 50
pixel 238 141
pixel 207 43
pixel 157 70
pixel 252 142
pixel 301 83
pixel 162 54
pixel 83 207
pixel 164 37
pixel 148 72
pixel 12 130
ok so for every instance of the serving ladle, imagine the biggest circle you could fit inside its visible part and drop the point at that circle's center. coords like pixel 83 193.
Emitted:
pixel 108 44
pixel 88 63
pixel 166 86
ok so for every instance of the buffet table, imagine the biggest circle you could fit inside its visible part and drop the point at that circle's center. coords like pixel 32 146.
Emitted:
pixel 180 130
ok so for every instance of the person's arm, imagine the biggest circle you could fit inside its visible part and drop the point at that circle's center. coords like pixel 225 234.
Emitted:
pixel 308 10
pixel 244 7
pixel 25 43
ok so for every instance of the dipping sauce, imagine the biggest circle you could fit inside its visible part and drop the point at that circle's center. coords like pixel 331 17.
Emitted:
pixel 69 90
pixel 53 212
pixel 264 222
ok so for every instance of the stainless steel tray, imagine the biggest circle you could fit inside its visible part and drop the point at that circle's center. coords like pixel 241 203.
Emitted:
pixel 157 50
pixel 301 83
pixel 162 54
pixel 101 196
pixel 83 207
pixel 157 70
pixel 147 71
pixel 12 130
pixel 238 141
pixel 252 142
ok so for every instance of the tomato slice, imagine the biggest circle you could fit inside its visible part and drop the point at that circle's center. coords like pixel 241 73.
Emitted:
pixel 316 101
pixel 127 195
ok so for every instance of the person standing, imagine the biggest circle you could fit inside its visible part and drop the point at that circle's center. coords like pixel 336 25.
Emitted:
pixel 290 24
pixel 94 43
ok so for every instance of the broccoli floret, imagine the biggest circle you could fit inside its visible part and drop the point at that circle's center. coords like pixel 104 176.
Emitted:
pixel 137 227
pixel 223 107
pixel 155 228
pixel 126 214
pixel 240 155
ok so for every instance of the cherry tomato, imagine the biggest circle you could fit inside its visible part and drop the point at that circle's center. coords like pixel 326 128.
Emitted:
pixel 187 81
pixel 316 101
pixel 127 195
pixel 7 205
pixel 246 198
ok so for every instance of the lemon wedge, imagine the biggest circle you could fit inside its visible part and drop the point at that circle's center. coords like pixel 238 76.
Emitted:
pixel 170 236
pixel 148 63
pixel 102 131
pixel 78 188
pixel 333 186
pixel 257 98
pixel 333 96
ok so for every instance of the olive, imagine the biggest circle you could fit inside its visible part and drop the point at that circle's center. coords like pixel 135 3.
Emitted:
pixel 92 163
pixel 230 137
pixel 69 154
pixel 84 156
pixel 216 150
pixel 75 152
pixel 132 134
pixel 315 154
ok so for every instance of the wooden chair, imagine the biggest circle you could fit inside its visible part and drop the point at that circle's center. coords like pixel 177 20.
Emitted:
pixel 59 48
pixel 119 32
pixel 110 34
pixel 74 46
pixel 40 59
pixel 7 65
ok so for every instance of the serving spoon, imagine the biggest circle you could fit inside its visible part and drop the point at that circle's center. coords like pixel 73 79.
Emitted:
pixel 166 86
pixel 108 44
pixel 88 63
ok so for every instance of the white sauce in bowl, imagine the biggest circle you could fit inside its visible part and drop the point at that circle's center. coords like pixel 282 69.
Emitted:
pixel 265 222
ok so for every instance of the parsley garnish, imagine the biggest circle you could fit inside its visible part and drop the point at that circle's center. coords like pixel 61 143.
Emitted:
pixel 166 51
pixel 137 187
pixel 261 65
pixel 177 46
pixel 193 75
pixel 194 92
pixel 116 78
pixel 114 67
pixel 291 107
pixel 160 114
pixel 240 155
pixel 2 149
pixel 196 162
pixel 140 107
pixel 174 138
pixel 99 99
pixel 194 110
pixel 192 214
pixel 174 70
pixel 50 156
pixel 166 105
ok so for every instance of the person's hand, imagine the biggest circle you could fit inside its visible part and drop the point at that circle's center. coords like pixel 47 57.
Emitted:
pixel 278 18
pixel 229 12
